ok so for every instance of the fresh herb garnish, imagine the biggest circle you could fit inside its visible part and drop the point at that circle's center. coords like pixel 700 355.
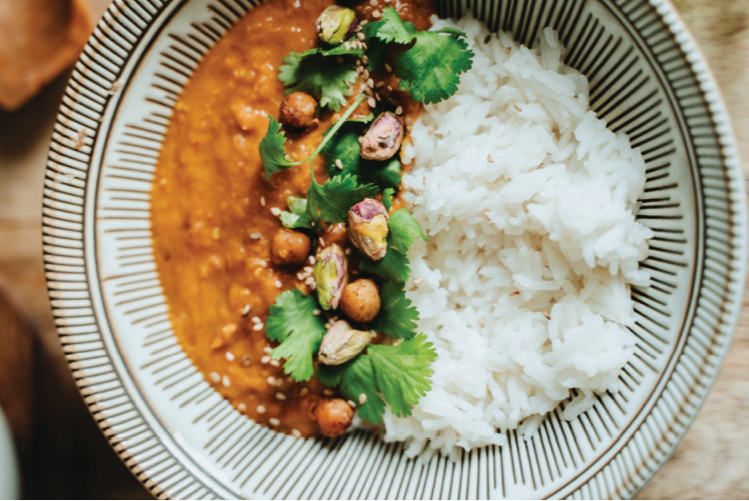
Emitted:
pixel 397 318
pixel 292 322
pixel 314 73
pixel 358 378
pixel 403 230
pixel 334 198
pixel 393 29
pixel 387 198
pixel 272 150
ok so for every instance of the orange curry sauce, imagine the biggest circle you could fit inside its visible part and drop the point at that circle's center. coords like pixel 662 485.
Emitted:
pixel 211 206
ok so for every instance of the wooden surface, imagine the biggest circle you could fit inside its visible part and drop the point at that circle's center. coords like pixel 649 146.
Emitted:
pixel 63 453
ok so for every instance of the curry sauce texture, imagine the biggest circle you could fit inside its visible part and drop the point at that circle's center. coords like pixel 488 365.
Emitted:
pixel 214 214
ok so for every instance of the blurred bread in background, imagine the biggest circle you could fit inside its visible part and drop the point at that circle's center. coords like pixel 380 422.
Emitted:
pixel 38 40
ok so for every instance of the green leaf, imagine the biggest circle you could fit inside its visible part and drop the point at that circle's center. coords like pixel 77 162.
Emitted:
pixel 334 198
pixel 330 375
pixel 297 205
pixel 397 318
pixel 344 146
pixel 272 150
pixel 402 372
pixel 430 70
pixel 292 322
pixel 359 378
pixel 296 221
pixel 393 29
pixel 394 266
pixel 387 198
pixel 376 48
pixel 404 229
pixel 315 74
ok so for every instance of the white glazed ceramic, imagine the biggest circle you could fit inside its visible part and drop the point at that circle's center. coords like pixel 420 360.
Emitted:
pixel 9 487
pixel 183 440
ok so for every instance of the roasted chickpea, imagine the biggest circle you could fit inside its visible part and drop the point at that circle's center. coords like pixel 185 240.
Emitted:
pixel 298 112
pixel 361 300
pixel 289 248
pixel 334 416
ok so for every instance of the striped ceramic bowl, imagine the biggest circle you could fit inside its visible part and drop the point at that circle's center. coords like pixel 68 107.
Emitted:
pixel 183 440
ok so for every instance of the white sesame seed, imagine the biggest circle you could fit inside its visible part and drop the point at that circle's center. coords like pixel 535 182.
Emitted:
pixel 255 320
pixel 230 356
pixel 368 92
pixel 260 409
pixel 271 381
pixel 267 349
pixel 278 284
pixel 490 159
pixel 265 359
pixel 262 262
pixel 362 399
pixel 296 433
pixel 308 269
pixel 280 396
pixel 347 251
pixel 376 14
pixel 275 211
pixel 258 327
pixel 328 393
pixel 303 391
pixel 262 201
pixel 371 102
pixel 316 312
pixel 215 377
pixel 255 235
pixel 322 242
pixel 311 259
pixel 360 36
pixel 241 407
pixel 377 96
pixel 313 286
pixel 338 163
pixel 388 68
pixel 275 363
pixel 431 131
pixel 299 276
pixel 245 361
pixel 274 422
pixel 246 310
pixel 418 281
pixel 365 73
pixel 225 381
pixel 373 3
pixel 370 83
pixel 346 45
pixel 351 404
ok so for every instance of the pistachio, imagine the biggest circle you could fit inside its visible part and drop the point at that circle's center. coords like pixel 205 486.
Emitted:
pixel 342 343
pixel 383 138
pixel 331 276
pixel 368 228
pixel 336 24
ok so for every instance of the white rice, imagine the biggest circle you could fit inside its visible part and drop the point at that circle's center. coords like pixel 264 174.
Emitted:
pixel 552 217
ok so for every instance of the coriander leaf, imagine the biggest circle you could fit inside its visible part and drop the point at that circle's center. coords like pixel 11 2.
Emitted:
pixel 376 48
pixel 344 146
pixel 272 151
pixel 404 230
pixel 296 221
pixel 402 372
pixel 319 76
pixel 394 266
pixel 387 198
pixel 330 375
pixel 397 318
pixel 334 198
pixel 297 205
pixel 393 29
pixel 292 322
pixel 338 50
pixel 359 378
pixel 430 70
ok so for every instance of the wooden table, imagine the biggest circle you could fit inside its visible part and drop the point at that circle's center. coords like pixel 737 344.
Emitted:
pixel 63 452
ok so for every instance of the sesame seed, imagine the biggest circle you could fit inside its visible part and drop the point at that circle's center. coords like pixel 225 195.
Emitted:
pixel 359 69
pixel 280 396
pixel 308 269
pixel 303 391
pixel 351 404
pixel 275 211
pixel 414 288
pixel 360 36
pixel 245 361
pixel 431 131
pixel 346 46
pixel 514 293
pixel 490 159
pixel 229 329
pixel 299 276
pixel 256 236
pixel 256 320
pixel 363 23
pixel 548 317
pixel 225 381
pixel 229 356
pixel 517 107
pixel 267 349
pixel 265 359
pixel 376 14
pixel 399 110
pixel 246 310
pixel 418 281
pixel 274 422
pixel 275 363
pixel 362 399
pixel 258 327
pixel 260 409
pixel 271 381
pixel 388 68
pixel 377 96
pixel 311 259
pixel 241 407
pixel 368 92
pixel 278 284
pixel 365 60
pixel 338 163
pixel 365 73
pixel 322 242
pixel 373 3
pixel 347 252
pixel 296 433
pixel 480 321
pixel 316 312
pixel 391 90
pixel 371 102
pixel 328 393
pixel 370 83
pixel 262 201
pixel 215 377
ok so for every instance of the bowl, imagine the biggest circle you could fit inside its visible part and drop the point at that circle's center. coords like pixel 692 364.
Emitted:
pixel 9 483
pixel 181 439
